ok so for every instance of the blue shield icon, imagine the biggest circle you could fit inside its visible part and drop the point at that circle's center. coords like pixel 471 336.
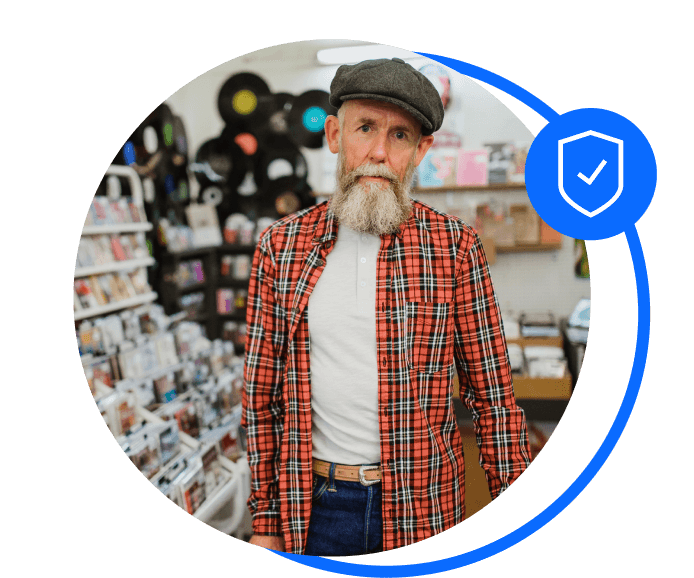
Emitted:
pixel 591 171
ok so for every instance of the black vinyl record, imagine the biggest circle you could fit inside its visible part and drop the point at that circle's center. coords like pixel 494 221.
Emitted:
pixel 245 137
pixel 287 163
pixel 180 142
pixel 244 96
pixel 283 197
pixel 219 162
pixel 154 135
pixel 274 132
pixel 307 118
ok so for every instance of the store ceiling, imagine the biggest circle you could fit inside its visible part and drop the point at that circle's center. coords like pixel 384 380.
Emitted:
pixel 296 55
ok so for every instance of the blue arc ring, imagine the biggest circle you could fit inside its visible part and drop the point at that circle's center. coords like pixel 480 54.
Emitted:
pixel 640 354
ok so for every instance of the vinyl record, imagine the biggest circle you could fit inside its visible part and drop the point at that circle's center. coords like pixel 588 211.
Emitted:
pixel 126 155
pixel 244 96
pixel 274 133
pixel 153 136
pixel 283 197
pixel 180 143
pixel 245 137
pixel 282 163
pixel 212 195
pixel 219 162
pixel 307 118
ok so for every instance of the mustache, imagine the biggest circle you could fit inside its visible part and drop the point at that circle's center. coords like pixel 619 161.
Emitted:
pixel 370 170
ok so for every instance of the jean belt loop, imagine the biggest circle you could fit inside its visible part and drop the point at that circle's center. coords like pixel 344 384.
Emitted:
pixel 331 477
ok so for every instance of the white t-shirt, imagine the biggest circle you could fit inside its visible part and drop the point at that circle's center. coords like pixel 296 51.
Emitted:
pixel 344 369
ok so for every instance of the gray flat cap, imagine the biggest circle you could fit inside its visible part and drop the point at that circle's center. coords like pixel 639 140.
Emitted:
pixel 392 81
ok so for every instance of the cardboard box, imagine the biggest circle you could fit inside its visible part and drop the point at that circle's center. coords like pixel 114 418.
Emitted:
pixel 526 225
pixel 496 227
pixel 549 236
pixel 542 387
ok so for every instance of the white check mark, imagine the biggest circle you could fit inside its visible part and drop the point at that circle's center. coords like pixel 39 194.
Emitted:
pixel 594 175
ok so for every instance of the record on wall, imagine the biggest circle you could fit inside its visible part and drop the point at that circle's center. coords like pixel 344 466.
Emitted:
pixel 219 161
pixel 180 143
pixel 276 164
pixel 274 132
pixel 283 197
pixel 307 118
pixel 154 135
pixel 244 96
pixel 126 155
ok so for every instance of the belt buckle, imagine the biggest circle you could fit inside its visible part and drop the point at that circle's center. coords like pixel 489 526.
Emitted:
pixel 362 479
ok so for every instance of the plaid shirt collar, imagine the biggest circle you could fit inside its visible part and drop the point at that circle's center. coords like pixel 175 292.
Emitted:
pixel 326 228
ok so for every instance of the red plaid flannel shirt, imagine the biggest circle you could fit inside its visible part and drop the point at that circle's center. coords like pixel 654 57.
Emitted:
pixel 436 313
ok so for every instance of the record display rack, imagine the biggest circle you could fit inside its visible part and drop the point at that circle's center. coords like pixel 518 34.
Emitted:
pixel 116 266
pixel 230 494
pixel 225 507
pixel 210 257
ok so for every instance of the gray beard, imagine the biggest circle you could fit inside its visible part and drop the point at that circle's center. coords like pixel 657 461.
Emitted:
pixel 372 208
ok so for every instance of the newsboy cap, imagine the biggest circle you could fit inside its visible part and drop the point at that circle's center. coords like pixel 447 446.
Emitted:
pixel 392 81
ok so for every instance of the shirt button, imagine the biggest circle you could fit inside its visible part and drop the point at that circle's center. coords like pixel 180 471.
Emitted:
pixel 384 362
pixel 363 259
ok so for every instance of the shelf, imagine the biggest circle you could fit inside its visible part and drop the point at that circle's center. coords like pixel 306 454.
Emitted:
pixel 115 306
pixel 114 266
pixel 117 228
pixel 237 283
pixel 529 248
pixel 227 248
pixel 455 189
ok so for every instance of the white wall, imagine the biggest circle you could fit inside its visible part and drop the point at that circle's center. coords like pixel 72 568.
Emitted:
pixel 530 282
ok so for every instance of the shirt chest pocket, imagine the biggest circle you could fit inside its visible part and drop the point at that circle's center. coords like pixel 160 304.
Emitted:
pixel 429 338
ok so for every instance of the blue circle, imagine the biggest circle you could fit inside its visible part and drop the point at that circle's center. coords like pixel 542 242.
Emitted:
pixel 314 118
pixel 640 353
pixel 590 174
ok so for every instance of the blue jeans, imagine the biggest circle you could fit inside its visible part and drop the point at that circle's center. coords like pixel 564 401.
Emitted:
pixel 345 518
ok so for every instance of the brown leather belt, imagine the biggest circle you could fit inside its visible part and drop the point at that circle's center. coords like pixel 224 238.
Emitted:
pixel 367 475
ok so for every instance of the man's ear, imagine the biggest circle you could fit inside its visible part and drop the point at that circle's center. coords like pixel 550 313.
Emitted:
pixel 332 133
pixel 424 145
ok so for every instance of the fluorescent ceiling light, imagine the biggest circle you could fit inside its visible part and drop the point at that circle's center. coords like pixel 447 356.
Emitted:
pixel 352 54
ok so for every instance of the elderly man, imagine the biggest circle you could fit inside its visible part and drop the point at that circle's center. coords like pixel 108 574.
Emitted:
pixel 360 311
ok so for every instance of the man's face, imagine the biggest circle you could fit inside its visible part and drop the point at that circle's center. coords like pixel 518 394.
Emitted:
pixel 379 146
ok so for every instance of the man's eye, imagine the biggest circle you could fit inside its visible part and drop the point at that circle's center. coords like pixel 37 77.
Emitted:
pixel 365 128
pixel 400 135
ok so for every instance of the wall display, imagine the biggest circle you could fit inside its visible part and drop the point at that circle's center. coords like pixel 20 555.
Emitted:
pixel 244 96
pixel 275 164
pixel 307 118
pixel 151 139
pixel 219 161
pixel 274 132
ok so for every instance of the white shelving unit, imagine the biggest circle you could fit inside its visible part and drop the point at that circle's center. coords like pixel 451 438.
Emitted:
pixel 228 498
pixel 80 272
pixel 225 507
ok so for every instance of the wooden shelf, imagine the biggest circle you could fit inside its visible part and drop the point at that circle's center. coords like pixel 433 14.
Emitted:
pixel 114 266
pixel 115 306
pixel 117 228
pixel 529 248
pixel 464 189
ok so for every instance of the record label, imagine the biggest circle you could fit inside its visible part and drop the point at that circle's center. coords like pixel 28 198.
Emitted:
pixel 314 119
pixel 244 96
pixel 244 102
pixel 307 118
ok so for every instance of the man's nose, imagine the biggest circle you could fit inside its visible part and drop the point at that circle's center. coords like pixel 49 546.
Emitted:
pixel 379 148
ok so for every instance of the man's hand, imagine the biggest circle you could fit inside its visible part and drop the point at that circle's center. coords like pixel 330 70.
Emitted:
pixel 270 542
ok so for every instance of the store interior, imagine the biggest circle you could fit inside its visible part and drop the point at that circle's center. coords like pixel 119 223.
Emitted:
pixel 161 276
